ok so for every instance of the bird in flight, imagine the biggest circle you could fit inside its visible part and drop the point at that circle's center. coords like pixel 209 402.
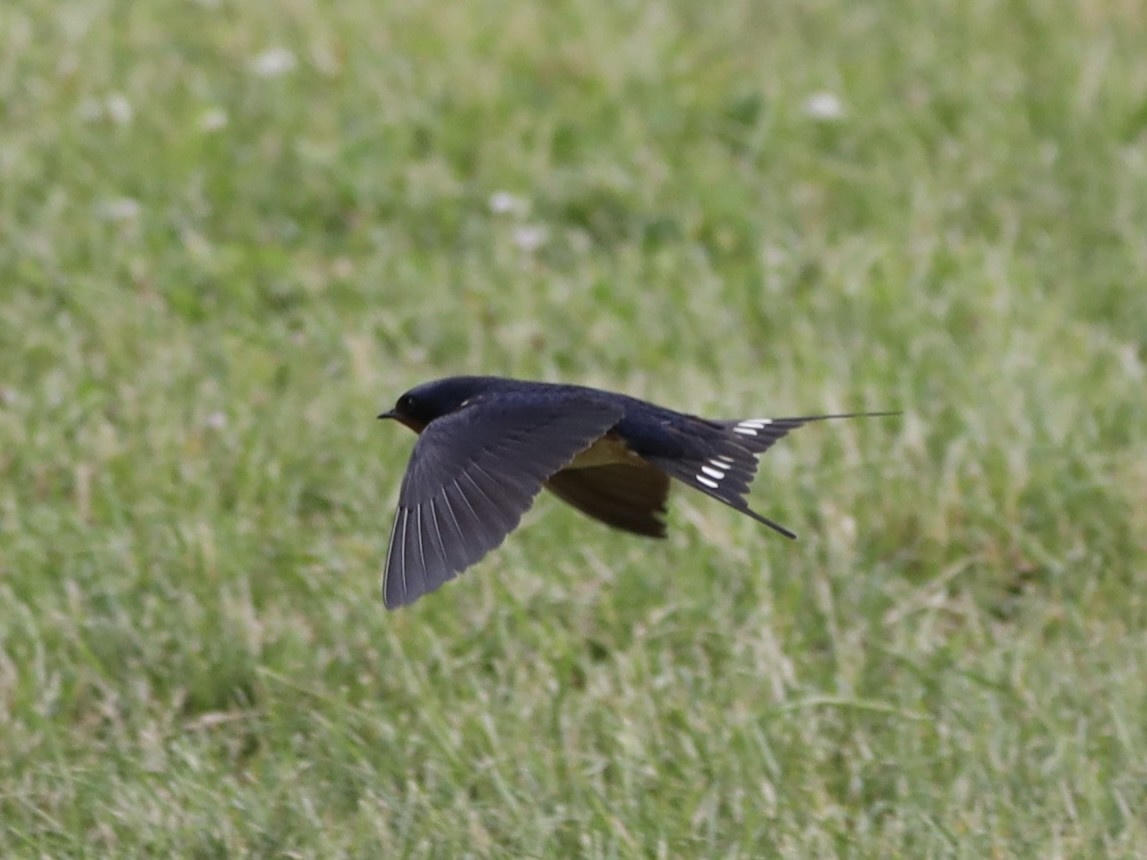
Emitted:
pixel 488 445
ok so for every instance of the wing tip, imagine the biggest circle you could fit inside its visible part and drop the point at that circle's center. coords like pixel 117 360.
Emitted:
pixel 392 597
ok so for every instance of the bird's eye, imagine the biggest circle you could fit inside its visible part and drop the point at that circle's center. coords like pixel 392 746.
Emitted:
pixel 406 402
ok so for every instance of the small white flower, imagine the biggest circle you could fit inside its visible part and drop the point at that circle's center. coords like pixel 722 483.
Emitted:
pixel 505 203
pixel 120 209
pixel 824 107
pixel 118 108
pixel 1129 360
pixel 530 237
pixel 212 119
pixel 114 107
pixel 273 62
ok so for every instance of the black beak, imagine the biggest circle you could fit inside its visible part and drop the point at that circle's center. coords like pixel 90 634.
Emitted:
pixel 404 420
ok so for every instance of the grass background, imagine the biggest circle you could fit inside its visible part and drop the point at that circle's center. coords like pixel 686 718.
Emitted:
pixel 231 232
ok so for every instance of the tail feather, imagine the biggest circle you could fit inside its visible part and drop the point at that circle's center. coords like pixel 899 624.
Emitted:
pixel 724 462
pixel 760 434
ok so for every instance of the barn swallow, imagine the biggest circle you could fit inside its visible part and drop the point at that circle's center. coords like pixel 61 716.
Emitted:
pixel 488 445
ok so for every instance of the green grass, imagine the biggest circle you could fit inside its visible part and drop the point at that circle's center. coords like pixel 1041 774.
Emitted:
pixel 213 278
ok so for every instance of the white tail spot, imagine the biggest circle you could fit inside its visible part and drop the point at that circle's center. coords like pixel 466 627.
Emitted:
pixel 715 474
pixel 750 426
pixel 701 479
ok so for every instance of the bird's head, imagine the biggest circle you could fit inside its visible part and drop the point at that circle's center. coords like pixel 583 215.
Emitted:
pixel 431 400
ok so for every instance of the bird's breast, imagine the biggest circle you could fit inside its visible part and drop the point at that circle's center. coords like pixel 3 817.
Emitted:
pixel 607 450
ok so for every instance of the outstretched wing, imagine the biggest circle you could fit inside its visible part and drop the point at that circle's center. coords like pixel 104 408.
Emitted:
pixel 472 475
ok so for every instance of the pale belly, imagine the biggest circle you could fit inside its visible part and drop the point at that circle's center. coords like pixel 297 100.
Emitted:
pixel 604 452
